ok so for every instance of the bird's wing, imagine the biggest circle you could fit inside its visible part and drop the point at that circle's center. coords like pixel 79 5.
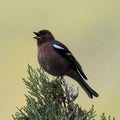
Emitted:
pixel 64 51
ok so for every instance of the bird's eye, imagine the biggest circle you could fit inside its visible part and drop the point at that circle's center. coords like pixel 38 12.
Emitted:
pixel 42 33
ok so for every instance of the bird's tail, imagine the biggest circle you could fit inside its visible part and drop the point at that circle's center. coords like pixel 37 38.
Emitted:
pixel 90 92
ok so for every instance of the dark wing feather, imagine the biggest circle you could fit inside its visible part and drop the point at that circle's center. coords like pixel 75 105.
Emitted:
pixel 80 69
pixel 64 51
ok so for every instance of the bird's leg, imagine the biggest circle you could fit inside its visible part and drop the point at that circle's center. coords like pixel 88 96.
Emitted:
pixel 60 78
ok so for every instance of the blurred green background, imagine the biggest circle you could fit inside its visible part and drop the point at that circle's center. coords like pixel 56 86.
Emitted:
pixel 91 30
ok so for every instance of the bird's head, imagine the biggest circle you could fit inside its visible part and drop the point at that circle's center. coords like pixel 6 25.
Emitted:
pixel 43 36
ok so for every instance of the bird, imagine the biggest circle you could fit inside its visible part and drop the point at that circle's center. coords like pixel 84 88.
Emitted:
pixel 56 59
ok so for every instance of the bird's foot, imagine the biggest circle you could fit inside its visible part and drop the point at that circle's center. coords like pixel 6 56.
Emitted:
pixel 59 78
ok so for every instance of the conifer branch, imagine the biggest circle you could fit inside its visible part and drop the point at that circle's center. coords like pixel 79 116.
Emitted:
pixel 51 100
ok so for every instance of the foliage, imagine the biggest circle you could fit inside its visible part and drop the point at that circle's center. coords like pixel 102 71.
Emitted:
pixel 51 100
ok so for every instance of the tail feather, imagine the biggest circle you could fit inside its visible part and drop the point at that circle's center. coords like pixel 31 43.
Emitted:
pixel 90 92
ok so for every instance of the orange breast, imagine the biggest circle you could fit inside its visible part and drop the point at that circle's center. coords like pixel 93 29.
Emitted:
pixel 51 61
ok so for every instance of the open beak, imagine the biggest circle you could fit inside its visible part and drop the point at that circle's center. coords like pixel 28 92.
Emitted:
pixel 37 35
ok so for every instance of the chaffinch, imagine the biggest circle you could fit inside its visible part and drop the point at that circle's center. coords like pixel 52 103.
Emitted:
pixel 55 58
